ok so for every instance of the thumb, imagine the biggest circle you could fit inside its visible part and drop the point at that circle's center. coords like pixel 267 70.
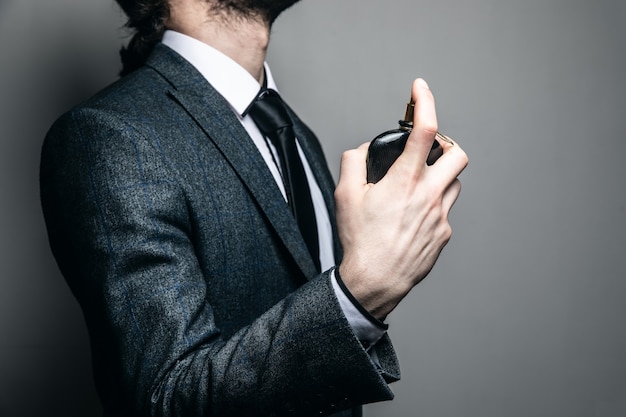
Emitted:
pixel 422 135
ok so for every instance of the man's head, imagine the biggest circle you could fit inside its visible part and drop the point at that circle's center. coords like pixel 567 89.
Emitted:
pixel 268 10
pixel 148 19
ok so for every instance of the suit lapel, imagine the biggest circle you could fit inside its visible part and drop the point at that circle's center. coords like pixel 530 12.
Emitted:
pixel 214 115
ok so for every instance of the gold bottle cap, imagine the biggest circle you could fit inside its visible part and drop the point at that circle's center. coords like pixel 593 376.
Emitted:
pixel 407 122
pixel 408 114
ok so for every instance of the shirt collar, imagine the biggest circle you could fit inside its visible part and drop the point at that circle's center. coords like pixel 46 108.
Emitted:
pixel 229 78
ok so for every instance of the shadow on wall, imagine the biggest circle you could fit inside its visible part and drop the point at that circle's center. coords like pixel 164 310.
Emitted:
pixel 54 55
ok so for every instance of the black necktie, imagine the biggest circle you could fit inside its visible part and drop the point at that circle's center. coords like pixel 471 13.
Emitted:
pixel 270 114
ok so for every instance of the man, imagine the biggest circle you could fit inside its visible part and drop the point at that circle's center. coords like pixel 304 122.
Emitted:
pixel 169 218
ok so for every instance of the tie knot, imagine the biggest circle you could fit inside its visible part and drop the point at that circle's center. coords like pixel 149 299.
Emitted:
pixel 269 112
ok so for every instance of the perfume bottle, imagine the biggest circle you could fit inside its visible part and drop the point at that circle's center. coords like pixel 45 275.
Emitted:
pixel 385 148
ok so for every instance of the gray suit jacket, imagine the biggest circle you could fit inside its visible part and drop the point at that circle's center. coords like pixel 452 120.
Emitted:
pixel 199 294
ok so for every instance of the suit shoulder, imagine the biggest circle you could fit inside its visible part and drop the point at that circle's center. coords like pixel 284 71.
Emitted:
pixel 134 100
pixel 136 92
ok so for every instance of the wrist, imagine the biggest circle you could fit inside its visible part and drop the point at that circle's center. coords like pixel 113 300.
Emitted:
pixel 357 304
pixel 374 292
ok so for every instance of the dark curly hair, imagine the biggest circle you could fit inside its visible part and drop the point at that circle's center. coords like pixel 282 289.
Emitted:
pixel 146 18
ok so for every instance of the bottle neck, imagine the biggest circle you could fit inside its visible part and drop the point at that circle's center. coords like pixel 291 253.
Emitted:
pixel 404 125
pixel 407 123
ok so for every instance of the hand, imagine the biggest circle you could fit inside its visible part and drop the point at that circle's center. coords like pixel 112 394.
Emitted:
pixel 393 231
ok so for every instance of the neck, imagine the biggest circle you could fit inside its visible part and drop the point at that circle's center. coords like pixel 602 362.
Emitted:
pixel 243 39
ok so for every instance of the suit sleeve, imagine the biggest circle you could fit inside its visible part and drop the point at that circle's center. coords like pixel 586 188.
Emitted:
pixel 118 227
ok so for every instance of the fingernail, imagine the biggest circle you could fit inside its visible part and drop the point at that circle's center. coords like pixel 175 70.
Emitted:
pixel 422 83
pixel 444 138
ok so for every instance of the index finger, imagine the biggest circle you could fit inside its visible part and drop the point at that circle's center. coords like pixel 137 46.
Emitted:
pixel 450 164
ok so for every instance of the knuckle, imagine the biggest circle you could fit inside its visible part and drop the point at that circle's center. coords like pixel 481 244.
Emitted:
pixel 351 153
pixel 343 193
pixel 457 185
pixel 430 127
pixel 461 155
pixel 446 232
pixel 464 157
pixel 345 156
pixel 339 192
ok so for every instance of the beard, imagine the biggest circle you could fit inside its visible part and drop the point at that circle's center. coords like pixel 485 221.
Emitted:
pixel 268 10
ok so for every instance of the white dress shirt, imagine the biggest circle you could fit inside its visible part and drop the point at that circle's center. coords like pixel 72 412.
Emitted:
pixel 240 88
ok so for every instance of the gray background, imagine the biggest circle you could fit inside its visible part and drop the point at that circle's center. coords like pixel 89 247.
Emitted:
pixel 523 315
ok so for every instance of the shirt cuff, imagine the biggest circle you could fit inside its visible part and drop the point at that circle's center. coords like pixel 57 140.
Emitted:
pixel 366 327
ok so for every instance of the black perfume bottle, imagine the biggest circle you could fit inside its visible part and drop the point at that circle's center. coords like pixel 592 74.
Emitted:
pixel 385 148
